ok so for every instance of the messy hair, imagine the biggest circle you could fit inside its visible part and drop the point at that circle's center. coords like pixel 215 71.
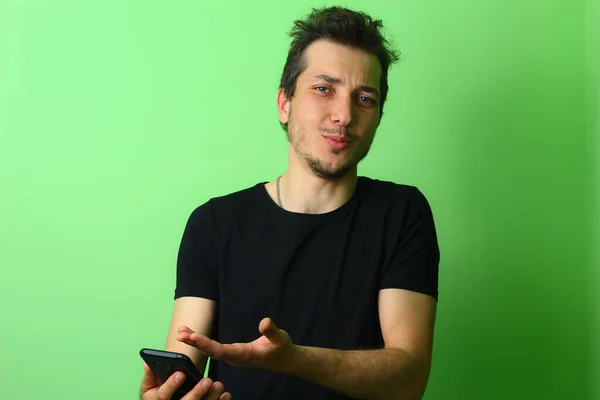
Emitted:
pixel 342 26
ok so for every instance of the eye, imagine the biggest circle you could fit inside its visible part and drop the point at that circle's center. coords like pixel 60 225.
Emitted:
pixel 322 89
pixel 367 100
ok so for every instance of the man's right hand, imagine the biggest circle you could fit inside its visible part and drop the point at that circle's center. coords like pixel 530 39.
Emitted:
pixel 153 390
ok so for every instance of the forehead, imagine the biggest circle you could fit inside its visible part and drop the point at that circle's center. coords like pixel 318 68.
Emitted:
pixel 350 64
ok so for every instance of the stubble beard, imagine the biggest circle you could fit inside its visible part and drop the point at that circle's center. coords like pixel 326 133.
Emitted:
pixel 317 166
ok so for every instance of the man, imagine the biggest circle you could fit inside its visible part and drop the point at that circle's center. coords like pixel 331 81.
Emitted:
pixel 320 284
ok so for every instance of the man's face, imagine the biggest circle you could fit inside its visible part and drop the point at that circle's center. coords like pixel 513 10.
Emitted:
pixel 334 112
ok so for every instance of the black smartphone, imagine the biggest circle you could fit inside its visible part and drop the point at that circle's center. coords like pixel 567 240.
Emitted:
pixel 165 363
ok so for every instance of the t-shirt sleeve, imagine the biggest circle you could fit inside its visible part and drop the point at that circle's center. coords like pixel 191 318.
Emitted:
pixel 414 264
pixel 197 259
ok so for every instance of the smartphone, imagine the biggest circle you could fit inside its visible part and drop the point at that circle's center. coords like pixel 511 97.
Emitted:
pixel 165 363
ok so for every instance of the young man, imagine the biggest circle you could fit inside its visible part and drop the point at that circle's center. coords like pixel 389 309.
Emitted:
pixel 320 284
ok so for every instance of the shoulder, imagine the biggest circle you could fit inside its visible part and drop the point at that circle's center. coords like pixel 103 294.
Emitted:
pixel 388 193
pixel 245 197
pixel 221 207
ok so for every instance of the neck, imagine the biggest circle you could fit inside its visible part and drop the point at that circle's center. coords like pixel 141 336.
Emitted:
pixel 303 192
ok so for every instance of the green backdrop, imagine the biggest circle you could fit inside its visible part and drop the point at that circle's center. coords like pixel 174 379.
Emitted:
pixel 592 94
pixel 118 118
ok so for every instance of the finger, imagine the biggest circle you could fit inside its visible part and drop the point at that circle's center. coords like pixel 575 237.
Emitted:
pixel 268 328
pixel 166 390
pixel 215 391
pixel 225 396
pixel 266 324
pixel 185 337
pixel 200 390
pixel 209 347
pixel 149 381
pixel 184 328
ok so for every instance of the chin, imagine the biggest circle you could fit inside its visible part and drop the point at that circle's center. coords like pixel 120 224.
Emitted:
pixel 329 170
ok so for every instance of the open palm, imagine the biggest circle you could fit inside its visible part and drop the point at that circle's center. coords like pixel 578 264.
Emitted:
pixel 268 351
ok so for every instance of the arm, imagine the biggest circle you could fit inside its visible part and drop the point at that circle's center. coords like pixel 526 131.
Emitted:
pixel 196 285
pixel 196 313
pixel 398 371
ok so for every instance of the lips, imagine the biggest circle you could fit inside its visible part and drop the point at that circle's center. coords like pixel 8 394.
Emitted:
pixel 342 139
pixel 338 142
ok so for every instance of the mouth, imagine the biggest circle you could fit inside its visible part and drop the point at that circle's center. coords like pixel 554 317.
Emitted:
pixel 338 142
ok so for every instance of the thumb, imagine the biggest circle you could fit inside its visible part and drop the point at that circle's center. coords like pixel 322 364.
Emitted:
pixel 268 328
pixel 149 381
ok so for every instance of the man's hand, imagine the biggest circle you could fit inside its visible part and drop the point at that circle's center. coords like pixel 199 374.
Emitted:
pixel 271 351
pixel 206 389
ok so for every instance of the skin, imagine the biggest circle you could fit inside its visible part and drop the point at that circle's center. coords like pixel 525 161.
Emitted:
pixel 399 371
pixel 336 94
pixel 206 389
pixel 196 313
pixel 329 101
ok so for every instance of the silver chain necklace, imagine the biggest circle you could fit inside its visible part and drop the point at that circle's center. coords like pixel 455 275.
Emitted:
pixel 278 195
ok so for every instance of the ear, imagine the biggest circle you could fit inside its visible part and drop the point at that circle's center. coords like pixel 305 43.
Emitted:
pixel 283 106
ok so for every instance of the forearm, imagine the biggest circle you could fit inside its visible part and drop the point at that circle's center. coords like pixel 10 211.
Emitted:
pixel 382 374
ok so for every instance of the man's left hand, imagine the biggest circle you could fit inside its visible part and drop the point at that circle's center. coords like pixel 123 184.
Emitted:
pixel 270 351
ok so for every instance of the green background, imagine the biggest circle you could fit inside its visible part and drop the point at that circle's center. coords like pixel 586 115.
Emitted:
pixel 118 118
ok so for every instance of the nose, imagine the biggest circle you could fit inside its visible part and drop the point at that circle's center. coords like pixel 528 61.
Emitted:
pixel 342 112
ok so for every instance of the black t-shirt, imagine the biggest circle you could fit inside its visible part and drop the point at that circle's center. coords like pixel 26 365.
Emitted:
pixel 316 276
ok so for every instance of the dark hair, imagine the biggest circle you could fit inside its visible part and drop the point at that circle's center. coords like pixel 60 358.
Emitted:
pixel 343 26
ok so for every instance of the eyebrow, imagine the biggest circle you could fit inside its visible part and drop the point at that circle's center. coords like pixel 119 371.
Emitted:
pixel 332 80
